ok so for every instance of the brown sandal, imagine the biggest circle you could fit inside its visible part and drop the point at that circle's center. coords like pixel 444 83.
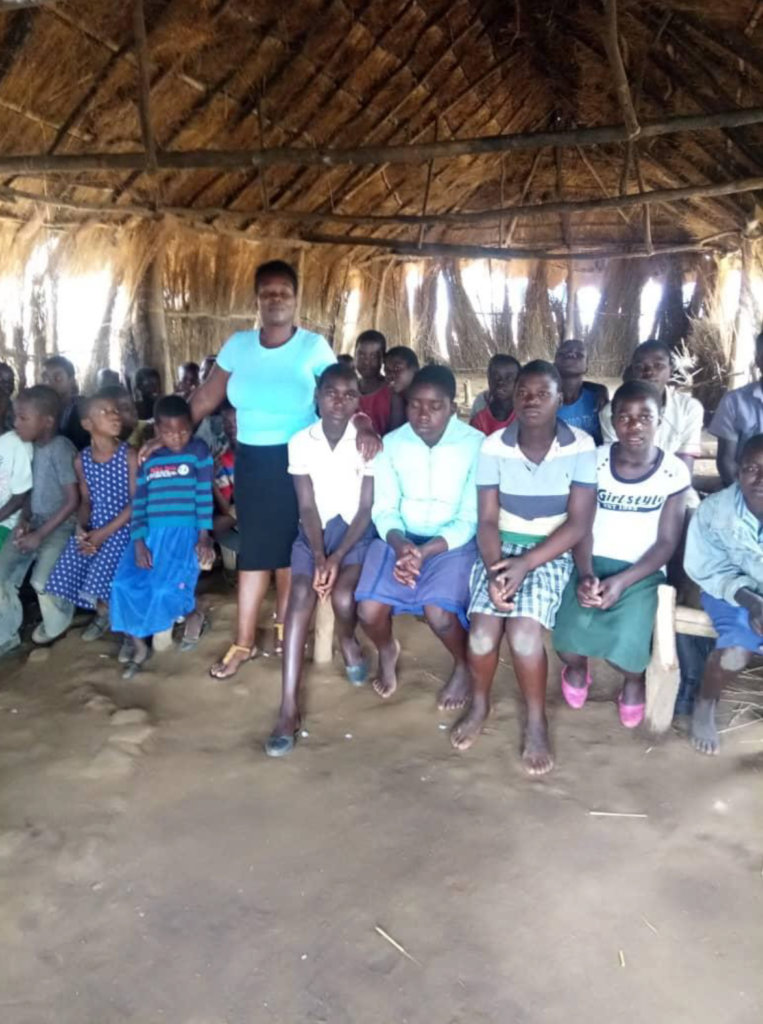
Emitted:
pixel 227 658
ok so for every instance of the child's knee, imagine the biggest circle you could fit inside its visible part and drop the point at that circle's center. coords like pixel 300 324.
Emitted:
pixel 734 659
pixel 482 641
pixel 438 620
pixel 301 591
pixel 343 602
pixel 525 638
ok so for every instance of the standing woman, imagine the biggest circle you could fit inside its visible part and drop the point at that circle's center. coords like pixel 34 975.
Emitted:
pixel 269 376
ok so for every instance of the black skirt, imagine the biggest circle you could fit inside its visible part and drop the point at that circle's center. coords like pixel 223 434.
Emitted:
pixel 266 506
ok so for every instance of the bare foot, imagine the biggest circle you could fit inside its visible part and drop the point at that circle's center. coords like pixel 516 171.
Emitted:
pixel 536 753
pixel 386 682
pixel 704 734
pixel 456 692
pixel 469 726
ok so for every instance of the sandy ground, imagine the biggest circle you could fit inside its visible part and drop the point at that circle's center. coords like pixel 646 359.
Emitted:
pixel 166 872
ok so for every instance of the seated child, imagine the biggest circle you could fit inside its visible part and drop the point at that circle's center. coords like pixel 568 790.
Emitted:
pixel 7 387
pixel 128 413
pixel 106 378
pixel 681 416
pixel 401 364
pixel 106 472
pixel 335 492
pixel 536 485
pixel 739 416
pixel 225 524
pixel 58 373
pixel 147 387
pixel 155 582
pixel 425 511
pixel 724 557
pixel 498 411
pixel 45 527
pixel 582 400
pixel 608 607
pixel 187 380
pixel 380 403
pixel 15 472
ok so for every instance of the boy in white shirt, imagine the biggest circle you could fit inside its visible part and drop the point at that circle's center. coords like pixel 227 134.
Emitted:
pixel 335 493
pixel 15 472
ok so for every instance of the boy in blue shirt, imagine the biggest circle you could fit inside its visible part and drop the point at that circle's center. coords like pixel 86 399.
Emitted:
pixel 425 511
pixel 724 557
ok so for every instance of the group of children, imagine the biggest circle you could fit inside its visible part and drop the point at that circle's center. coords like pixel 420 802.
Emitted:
pixel 519 523
pixel 98 530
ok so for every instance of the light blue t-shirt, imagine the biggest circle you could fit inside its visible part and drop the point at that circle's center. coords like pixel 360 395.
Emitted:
pixel 273 389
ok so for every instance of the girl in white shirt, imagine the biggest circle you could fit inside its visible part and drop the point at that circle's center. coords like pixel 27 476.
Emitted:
pixel 609 605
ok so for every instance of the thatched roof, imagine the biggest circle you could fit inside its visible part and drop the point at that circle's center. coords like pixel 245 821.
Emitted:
pixel 225 79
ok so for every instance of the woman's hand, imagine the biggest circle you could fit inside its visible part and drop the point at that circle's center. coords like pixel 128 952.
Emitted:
pixel 85 545
pixel 368 441
pixel 326 572
pixel 408 565
pixel 501 603
pixel 509 573
pixel 205 552
pixel 611 591
pixel 143 557
pixel 148 449
pixel 589 592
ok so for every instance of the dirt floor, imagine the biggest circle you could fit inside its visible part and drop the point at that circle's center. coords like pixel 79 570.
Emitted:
pixel 162 870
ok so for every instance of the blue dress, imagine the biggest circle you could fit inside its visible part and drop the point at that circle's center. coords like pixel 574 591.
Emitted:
pixel 86 579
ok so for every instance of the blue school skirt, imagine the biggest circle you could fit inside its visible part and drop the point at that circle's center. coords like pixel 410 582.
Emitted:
pixel 148 601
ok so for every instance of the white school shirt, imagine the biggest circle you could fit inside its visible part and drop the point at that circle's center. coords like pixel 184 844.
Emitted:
pixel 15 471
pixel 336 474
pixel 628 511
pixel 680 429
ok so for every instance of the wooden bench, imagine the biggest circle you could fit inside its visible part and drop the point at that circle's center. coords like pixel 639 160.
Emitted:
pixel 662 674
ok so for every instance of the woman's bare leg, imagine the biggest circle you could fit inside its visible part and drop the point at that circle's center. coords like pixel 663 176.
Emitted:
pixel 485 634
pixel 252 588
pixel 528 655
pixel 376 619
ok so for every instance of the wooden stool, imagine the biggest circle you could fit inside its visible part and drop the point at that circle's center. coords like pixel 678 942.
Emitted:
pixel 323 646
pixel 662 674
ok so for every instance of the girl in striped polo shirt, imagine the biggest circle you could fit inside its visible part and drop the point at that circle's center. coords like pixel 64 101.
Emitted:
pixel 156 580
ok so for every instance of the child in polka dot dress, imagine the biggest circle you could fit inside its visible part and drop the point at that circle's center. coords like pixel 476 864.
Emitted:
pixel 106 472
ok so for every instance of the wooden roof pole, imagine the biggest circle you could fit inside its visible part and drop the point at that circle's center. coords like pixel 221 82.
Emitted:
pixel 612 46
pixel 470 217
pixel 74 163
pixel 144 84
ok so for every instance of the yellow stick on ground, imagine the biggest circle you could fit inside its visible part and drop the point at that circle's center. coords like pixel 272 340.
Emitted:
pixel 398 947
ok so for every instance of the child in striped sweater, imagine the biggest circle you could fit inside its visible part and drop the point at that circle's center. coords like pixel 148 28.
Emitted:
pixel 155 583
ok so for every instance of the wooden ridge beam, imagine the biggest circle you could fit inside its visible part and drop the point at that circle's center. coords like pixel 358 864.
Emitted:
pixel 462 218
pixel 75 163
pixel 480 252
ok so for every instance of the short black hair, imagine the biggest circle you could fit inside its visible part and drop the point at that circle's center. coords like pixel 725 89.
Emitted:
pixel 171 406
pixel 538 368
pixel 345 357
pixel 372 337
pixel 652 345
pixel 504 359
pixel 408 356
pixel 758 342
pixel 439 377
pixel 115 391
pixel 633 391
pixel 60 363
pixel 275 268
pixel 337 371
pixel 44 399
pixel 752 446
pixel 143 372
pixel 189 364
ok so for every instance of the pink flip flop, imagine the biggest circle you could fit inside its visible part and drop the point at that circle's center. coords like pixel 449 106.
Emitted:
pixel 576 696
pixel 631 715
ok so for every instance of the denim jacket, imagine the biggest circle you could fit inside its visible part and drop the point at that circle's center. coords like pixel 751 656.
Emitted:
pixel 724 546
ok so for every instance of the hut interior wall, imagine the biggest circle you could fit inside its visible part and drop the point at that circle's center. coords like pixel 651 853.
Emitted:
pixel 175 294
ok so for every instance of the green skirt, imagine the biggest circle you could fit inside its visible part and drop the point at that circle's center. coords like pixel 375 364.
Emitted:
pixel 621 635
pixel 4 534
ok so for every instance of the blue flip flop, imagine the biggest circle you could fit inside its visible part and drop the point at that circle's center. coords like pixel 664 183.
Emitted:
pixel 357 674
pixel 280 746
